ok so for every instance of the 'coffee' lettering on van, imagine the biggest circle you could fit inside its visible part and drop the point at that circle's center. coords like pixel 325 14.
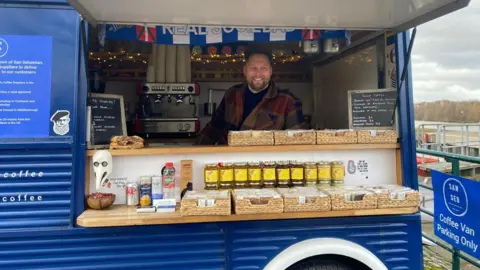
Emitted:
pixel 21 198
pixel 21 174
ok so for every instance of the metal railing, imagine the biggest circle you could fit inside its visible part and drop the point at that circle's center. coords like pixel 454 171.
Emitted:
pixel 455 160
pixel 461 139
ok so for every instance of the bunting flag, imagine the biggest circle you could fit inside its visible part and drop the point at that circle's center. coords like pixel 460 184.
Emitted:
pixel 145 33
pixel 197 35
pixel 310 34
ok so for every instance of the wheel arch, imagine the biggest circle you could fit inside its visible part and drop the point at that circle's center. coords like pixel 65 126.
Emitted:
pixel 324 246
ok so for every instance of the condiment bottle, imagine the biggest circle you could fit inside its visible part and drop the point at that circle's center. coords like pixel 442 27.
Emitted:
pixel 338 173
pixel 145 190
pixel 254 175
pixel 240 175
pixel 226 175
pixel 283 174
pixel 268 174
pixel 324 173
pixel 211 176
pixel 297 174
pixel 311 173
pixel 168 180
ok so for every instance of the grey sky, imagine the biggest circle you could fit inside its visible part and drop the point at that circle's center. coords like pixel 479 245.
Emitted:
pixel 446 57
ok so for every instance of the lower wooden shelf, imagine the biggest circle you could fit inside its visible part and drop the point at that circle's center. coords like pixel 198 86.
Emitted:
pixel 122 215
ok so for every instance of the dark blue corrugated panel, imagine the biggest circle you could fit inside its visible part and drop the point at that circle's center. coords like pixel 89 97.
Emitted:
pixel 35 187
pixel 396 241
pixel 171 247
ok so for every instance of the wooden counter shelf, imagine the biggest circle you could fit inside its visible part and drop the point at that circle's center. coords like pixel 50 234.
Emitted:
pixel 122 215
pixel 171 150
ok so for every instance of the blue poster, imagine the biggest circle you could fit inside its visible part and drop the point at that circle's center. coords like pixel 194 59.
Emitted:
pixel 457 212
pixel 25 86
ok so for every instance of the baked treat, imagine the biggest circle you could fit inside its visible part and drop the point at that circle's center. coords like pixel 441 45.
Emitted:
pixel 391 196
pixel 304 199
pixel 206 203
pixel 257 201
pixel 351 197
pixel 126 142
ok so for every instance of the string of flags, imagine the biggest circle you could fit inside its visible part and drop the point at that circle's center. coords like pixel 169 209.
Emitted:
pixel 200 35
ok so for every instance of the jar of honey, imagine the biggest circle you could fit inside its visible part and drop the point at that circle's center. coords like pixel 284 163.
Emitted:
pixel 324 173
pixel 226 175
pixel 211 176
pixel 338 172
pixel 283 174
pixel 297 174
pixel 268 174
pixel 240 175
pixel 311 173
pixel 255 175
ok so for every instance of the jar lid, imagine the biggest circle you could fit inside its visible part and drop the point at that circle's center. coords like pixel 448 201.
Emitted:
pixel 227 164
pixel 254 163
pixel 269 163
pixel 310 163
pixel 240 164
pixel 337 162
pixel 323 163
pixel 296 163
pixel 211 165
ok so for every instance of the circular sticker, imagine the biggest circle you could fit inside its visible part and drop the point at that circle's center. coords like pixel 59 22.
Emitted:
pixel 351 167
pixel 3 47
pixel 455 197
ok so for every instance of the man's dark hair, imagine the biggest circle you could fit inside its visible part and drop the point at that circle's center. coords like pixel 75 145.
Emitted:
pixel 258 51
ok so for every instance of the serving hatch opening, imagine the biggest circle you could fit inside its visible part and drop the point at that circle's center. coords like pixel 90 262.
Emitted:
pixel 171 79
pixel 390 15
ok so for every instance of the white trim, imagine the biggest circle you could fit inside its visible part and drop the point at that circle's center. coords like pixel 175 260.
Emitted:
pixel 82 11
pixel 327 14
pixel 319 246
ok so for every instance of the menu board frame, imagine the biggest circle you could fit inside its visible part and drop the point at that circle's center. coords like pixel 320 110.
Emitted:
pixel 350 116
pixel 89 119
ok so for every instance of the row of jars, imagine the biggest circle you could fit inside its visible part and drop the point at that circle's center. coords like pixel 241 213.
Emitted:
pixel 273 174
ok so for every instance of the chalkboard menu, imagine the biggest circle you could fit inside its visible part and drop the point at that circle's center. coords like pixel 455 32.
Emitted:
pixel 371 109
pixel 106 117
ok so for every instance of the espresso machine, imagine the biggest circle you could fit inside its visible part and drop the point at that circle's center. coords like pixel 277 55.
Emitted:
pixel 167 110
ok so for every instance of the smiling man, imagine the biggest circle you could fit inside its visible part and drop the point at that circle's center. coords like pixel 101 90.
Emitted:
pixel 255 105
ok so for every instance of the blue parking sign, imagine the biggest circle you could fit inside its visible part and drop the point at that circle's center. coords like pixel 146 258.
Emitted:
pixel 457 211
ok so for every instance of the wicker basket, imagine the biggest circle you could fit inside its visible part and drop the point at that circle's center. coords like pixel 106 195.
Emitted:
pixel 250 137
pixel 206 203
pixel 336 137
pixel 100 203
pixel 257 201
pixel 295 137
pixel 349 198
pixel 375 136
pixel 307 199
pixel 395 196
